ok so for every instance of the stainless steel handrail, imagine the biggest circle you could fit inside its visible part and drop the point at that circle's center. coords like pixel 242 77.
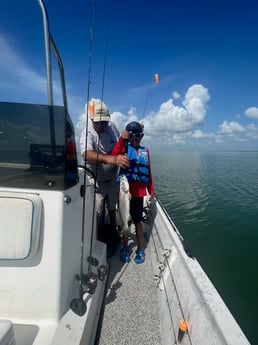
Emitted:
pixel 49 42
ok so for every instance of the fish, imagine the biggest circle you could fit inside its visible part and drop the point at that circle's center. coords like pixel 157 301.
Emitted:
pixel 124 205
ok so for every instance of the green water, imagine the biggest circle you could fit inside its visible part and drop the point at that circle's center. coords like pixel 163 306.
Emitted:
pixel 213 200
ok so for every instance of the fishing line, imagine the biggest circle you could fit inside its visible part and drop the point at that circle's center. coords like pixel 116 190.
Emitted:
pixel 104 64
pixel 156 79
pixel 146 101
pixel 102 93
pixel 102 98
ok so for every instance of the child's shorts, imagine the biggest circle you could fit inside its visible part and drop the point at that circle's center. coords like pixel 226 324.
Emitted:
pixel 136 209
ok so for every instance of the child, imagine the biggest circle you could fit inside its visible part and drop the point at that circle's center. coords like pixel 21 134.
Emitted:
pixel 139 177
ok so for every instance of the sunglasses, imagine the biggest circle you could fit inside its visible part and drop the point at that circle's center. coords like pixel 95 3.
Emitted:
pixel 101 123
pixel 135 135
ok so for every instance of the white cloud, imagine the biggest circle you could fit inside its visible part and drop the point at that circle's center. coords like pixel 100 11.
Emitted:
pixel 178 139
pixel 198 134
pixel 177 126
pixel 251 127
pixel 230 128
pixel 195 102
pixel 183 118
pixel 121 120
pixel 252 112
pixel 170 125
pixel 252 131
pixel 175 95
pixel 80 124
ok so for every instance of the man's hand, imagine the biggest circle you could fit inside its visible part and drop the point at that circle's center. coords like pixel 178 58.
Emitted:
pixel 125 135
pixel 121 161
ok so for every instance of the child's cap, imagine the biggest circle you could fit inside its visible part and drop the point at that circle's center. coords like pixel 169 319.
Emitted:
pixel 134 127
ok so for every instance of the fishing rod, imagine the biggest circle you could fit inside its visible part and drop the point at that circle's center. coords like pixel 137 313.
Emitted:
pixel 91 108
pixel 86 134
pixel 78 305
pixel 90 279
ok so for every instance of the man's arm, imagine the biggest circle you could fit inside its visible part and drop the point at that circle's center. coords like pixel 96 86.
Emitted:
pixel 93 157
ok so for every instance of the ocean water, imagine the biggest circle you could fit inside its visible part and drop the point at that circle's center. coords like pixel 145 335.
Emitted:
pixel 213 200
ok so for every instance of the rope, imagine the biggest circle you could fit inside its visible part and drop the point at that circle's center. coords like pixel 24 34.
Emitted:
pixel 156 246
pixel 169 309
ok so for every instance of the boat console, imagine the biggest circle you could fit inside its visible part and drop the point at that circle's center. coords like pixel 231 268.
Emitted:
pixel 51 264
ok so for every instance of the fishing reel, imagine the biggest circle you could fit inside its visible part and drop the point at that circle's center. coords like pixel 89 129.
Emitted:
pixel 78 305
pixel 88 284
pixel 102 272
pixel 90 281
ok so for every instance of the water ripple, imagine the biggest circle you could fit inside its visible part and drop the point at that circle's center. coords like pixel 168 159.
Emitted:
pixel 206 189
pixel 213 200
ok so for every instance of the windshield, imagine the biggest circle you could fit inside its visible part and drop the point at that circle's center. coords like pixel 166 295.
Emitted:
pixel 37 147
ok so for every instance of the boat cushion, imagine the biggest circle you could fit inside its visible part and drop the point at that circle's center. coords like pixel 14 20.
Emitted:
pixel 19 224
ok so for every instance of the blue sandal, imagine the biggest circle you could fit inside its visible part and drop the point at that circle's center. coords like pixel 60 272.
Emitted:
pixel 124 254
pixel 139 257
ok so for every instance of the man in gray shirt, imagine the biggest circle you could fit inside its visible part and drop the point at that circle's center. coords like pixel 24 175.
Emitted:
pixel 97 142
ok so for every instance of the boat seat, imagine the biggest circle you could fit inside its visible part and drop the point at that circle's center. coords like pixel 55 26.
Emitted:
pixel 20 218
pixel 6 333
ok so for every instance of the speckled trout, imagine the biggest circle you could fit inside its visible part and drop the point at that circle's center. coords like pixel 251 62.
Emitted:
pixel 124 205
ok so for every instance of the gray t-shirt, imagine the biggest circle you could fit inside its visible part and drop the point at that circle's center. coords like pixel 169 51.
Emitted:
pixel 102 143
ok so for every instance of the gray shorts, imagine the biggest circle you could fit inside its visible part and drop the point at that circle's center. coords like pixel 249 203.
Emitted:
pixel 107 190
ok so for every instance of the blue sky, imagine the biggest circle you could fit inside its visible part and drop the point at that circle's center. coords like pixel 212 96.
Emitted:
pixel 205 52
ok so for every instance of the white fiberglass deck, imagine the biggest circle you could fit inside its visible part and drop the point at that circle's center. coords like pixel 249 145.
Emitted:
pixel 131 311
pixel 145 303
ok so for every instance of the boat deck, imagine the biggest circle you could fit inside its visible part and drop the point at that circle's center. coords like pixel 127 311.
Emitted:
pixel 131 307
pixel 146 303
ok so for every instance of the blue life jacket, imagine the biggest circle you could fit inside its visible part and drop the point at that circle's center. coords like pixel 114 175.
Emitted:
pixel 139 165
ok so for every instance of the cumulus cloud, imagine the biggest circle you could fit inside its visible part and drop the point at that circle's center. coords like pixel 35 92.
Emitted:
pixel 178 126
pixel 179 119
pixel 171 118
pixel 233 133
pixel 231 127
pixel 198 134
pixel 119 119
pixel 174 118
pixel 175 95
pixel 195 102
pixel 252 112
pixel 80 124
